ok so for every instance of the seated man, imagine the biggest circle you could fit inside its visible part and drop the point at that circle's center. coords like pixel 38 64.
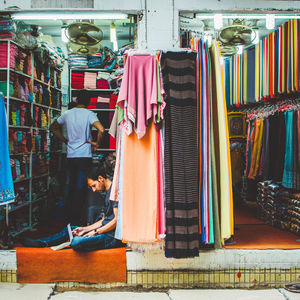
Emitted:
pixel 99 235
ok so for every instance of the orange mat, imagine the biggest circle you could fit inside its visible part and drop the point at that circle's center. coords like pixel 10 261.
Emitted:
pixel 41 265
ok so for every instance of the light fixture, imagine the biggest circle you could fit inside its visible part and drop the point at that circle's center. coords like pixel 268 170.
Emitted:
pixel 218 21
pixel 240 49
pixel 54 15
pixel 64 37
pixel 256 38
pixel 113 32
pixel 270 21
pixel 115 45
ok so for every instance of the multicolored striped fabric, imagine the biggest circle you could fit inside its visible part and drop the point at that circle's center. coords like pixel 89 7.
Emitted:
pixel 267 69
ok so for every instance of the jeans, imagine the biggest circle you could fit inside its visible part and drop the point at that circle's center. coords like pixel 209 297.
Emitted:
pixel 76 185
pixel 81 243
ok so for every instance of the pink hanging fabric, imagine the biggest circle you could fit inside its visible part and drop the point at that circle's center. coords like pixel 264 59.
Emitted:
pixel 138 92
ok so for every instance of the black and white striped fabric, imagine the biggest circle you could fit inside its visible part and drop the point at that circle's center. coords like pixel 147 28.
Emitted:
pixel 181 162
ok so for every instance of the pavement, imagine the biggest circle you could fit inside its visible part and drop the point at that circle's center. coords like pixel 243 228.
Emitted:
pixel 15 291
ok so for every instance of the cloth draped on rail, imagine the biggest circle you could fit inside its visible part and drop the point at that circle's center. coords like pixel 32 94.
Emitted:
pixel 180 154
pixel 7 193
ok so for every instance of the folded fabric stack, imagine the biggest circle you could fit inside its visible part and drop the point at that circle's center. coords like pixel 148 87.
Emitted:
pixel 90 79
pixel 19 141
pixel 278 206
pixel 20 167
pixel 77 80
pixel 7 29
pixel 40 164
pixel 78 61
pixel 102 84
pixel 20 115
pixel 3 55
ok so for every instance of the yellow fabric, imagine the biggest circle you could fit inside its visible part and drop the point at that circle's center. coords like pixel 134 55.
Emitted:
pixel 223 162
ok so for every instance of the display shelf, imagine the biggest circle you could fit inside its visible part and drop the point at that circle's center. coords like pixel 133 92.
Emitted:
pixel 54 87
pixel 39 199
pixel 39 128
pixel 41 81
pixel 92 69
pixel 19 126
pixel 27 203
pixel 101 109
pixel 18 99
pixel 106 150
pixel 46 106
pixel 95 90
pixel 15 233
pixel 40 176
pixel 22 179
pixel 21 153
pixel 15 71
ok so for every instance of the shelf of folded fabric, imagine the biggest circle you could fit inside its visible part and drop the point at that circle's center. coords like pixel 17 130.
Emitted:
pixel 39 128
pixel 39 199
pixel 19 153
pixel 15 233
pixel 22 179
pixel 17 72
pixel 101 109
pixel 46 106
pixel 91 69
pixel 19 126
pixel 40 176
pixel 95 90
pixel 12 209
pixel 56 88
pixel 13 42
pixel 41 81
pixel 106 150
pixel 18 99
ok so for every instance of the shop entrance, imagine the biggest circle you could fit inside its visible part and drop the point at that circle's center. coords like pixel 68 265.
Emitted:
pixel 259 54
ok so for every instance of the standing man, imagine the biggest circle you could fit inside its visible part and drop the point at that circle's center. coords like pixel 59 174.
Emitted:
pixel 78 122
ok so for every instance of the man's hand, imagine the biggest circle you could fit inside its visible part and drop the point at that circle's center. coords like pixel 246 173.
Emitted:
pixel 89 234
pixel 79 231
pixel 94 146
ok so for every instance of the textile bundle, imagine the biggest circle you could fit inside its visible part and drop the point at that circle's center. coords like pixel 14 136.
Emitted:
pixel 6 181
pixel 181 171
pixel 275 138
pixel 171 178
pixel 266 70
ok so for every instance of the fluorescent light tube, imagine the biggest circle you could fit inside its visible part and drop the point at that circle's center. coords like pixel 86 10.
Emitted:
pixel 113 33
pixel 270 21
pixel 218 21
pixel 67 15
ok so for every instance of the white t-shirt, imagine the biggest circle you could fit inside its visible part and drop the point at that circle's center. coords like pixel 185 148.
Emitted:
pixel 78 123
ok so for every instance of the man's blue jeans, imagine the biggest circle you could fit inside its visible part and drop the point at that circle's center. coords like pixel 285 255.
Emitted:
pixel 81 243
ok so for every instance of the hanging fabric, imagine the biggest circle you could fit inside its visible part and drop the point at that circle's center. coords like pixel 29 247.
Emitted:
pixel 222 151
pixel 7 193
pixel 180 154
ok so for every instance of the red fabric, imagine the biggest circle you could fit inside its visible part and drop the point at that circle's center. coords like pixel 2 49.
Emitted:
pixel 102 84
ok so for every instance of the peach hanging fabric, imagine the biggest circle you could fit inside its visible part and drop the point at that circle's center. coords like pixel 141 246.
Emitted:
pixel 140 187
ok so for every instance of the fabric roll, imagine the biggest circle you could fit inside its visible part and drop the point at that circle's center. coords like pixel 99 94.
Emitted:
pixel 6 181
pixel 221 139
pixel 140 188
pixel 296 149
pixel 287 179
pixel 180 155
pixel 265 150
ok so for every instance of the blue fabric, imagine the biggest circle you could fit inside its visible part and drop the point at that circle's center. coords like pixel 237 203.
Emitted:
pixel 81 243
pixel 6 181
pixel 287 180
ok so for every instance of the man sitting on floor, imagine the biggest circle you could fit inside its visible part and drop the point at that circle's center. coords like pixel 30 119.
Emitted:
pixel 99 235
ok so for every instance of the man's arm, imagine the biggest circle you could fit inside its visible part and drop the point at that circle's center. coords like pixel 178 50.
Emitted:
pixel 107 227
pixel 79 231
pixel 56 129
pixel 100 135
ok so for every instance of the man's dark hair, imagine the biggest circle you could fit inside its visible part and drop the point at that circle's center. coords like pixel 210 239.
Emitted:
pixel 83 99
pixel 96 172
